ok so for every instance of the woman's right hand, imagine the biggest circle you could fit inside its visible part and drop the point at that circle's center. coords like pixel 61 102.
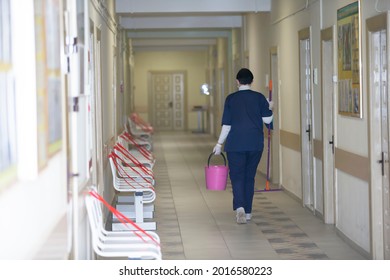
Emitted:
pixel 217 149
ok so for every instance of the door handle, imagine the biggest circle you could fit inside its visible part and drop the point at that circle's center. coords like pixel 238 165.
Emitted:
pixel 308 131
pixel 332 143
pixel 382 161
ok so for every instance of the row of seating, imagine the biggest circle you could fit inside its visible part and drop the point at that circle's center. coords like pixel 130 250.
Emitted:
pixel 131 161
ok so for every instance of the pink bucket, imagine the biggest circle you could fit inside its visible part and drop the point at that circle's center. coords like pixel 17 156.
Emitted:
pixel 216 175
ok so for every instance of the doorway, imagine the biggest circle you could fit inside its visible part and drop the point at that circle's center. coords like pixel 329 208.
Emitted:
pixel 306 118
pixel 167 98
pixel 328 123
pixel 377 35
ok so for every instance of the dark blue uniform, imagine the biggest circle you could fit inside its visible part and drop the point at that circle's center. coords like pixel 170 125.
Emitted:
pixel 244 145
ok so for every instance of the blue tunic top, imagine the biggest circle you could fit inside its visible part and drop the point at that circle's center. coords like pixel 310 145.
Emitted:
pixel 244 111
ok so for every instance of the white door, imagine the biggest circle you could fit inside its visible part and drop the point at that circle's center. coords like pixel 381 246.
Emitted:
pixel 306 120
pixel 384 158
pixel 379 139
pixel 328 111
pixel 167 97
pixel 98 113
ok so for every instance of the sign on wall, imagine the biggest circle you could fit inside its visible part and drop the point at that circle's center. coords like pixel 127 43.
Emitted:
pixel 349 81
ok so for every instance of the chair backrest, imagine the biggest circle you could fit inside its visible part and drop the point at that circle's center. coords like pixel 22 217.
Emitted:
pixel 132 161
pixel 113 170
pixel 135 143
pixel 132 124
pixel 137 130
pixel 95 216
pixel 145 126
pixel 124 185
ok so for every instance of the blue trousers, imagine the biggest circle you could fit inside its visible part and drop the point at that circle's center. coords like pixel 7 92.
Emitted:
pixel 242 172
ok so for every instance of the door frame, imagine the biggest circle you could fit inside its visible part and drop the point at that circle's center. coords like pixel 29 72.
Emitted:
pixel 328 102
pixel 308 189
pixel 378 251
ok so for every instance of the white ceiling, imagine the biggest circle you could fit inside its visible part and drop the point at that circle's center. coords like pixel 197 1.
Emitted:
pixel 143 9
pixel 165 24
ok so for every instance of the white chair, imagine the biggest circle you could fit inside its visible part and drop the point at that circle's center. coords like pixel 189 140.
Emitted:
pixel 135 128
pixel 126 168
pixel 94 206
pixel 133 159
pixel 132 244
pixel 141 196
pixel 137 149
pixel 127 140
pixel 129 159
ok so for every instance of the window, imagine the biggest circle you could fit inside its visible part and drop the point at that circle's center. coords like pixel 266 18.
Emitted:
pixel 7 100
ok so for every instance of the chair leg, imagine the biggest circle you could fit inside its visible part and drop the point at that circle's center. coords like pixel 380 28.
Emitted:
pixel 139 208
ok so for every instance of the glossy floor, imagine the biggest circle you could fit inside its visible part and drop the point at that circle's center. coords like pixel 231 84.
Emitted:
pixel 197 224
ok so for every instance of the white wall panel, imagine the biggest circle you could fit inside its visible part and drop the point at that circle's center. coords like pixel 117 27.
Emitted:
pixel 291 166
pixel 319 197
pixel 352 199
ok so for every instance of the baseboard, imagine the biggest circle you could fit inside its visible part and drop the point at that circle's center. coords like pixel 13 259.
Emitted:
pixel 361 251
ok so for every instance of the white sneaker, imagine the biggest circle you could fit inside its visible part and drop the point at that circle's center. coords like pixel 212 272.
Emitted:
pixel 248 216
pixel 240 215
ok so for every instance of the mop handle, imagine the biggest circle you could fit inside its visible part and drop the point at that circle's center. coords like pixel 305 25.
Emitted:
pixel 269 138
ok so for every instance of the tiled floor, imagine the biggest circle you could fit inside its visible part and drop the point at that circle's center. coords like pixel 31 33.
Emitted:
pixel 197 224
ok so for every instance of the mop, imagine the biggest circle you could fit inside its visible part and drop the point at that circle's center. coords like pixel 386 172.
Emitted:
pixel 269 126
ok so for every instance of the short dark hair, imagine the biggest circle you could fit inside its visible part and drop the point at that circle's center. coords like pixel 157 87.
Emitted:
pixel 244 76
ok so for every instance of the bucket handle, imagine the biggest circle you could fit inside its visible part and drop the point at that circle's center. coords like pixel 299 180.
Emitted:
pixel 224 158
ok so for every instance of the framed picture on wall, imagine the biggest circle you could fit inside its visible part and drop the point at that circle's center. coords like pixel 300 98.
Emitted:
pixel 48 79
pixel 349 58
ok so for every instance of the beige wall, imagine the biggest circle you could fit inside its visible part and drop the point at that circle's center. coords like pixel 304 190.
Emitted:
pixel 212 70
pixel 237 51
pixel 258 29
pixel 258 41
pixel 222 84
pixel 194 63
